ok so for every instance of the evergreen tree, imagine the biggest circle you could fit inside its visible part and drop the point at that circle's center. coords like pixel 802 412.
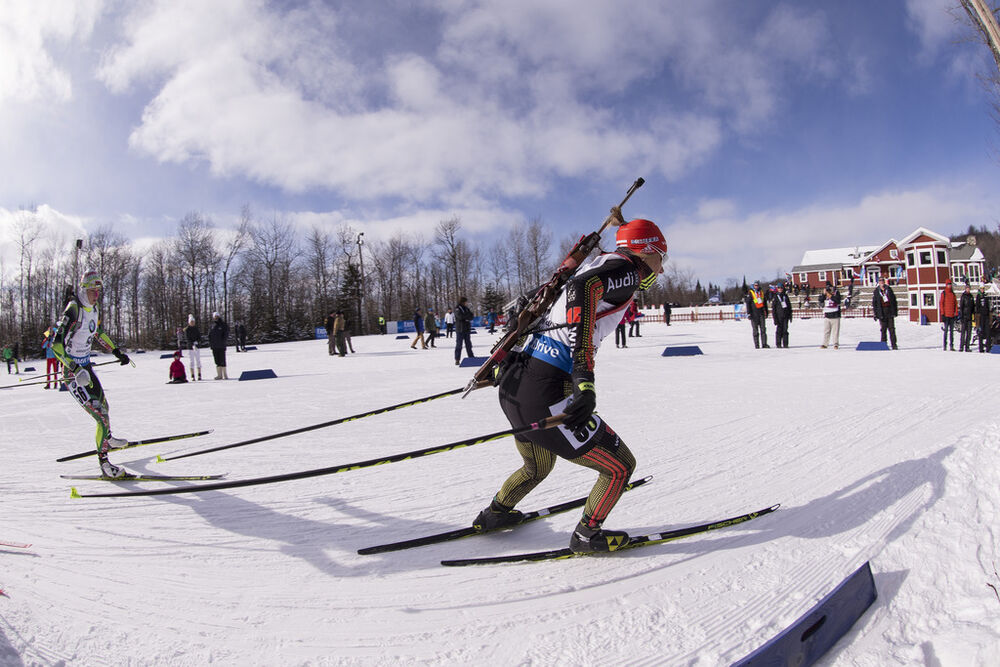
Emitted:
pixel 493 299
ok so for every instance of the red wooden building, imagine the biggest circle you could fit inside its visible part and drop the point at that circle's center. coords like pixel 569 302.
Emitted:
pixel 921 262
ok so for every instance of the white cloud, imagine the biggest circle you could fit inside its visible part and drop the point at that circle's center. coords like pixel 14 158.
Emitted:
pixel 514 94
pixel 717 242
pixel 934 23
pixel 53 228
pixel 28 72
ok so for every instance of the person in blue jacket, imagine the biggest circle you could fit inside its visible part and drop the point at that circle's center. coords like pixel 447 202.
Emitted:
pixel 418 323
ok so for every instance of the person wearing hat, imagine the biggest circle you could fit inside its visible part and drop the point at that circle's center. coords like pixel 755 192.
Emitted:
pixel 984 318
pixel 339 326
pixel 948 308
pixel 831 316
pixel 463 329
pixel 755 301
pixel 431 327
pixel 885 309
pixel 218 336
pixel 781 311
pixel 966 309
pixel 79 326
pixel 553 374
pixel 192 334
pixel 418 326
pixel 177 374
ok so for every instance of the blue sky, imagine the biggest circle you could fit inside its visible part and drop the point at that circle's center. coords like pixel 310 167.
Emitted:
pixel 763 129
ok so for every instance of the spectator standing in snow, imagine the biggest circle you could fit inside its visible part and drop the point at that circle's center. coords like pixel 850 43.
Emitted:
pixel 781 312
pixel 966 309
pixel 241 337
pixel 885 309
pixel 51 363
pixel 217 340
pixel 347 334
pixel 756 305
pixel 633 316
pixel 949 311
pixel 339 342
pixel 418 324
pixel 193 335
pixel 449 323
pixel 831 317
pixel 431 326
pixel 620 331
pixel 984 319
pixel 331 344
pixel 463 329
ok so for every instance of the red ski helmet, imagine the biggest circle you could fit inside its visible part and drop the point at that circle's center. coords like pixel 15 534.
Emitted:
pixel 641 236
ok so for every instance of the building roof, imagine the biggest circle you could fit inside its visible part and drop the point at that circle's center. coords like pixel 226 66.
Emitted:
pixel 923 231
pixel 803 268
pixel 964 252
pixel 838 256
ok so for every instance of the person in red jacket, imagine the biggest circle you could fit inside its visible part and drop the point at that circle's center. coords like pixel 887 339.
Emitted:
pixel 177 373
pixel 948 307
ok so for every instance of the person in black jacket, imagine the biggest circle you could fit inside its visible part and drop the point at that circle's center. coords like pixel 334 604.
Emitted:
pixel 193 336
pixel 553 374
pixel 331 345
pixel 217 338
pixel 755 301
pixel 885 309
pixel 984 318
pixel 781 311
pixel 241 337
pixel 966 309
pixel 463 329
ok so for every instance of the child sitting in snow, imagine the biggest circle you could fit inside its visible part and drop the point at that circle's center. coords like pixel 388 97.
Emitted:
pixel 177 373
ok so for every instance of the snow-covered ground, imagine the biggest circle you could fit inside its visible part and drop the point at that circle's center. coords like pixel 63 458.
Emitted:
pixel 883 456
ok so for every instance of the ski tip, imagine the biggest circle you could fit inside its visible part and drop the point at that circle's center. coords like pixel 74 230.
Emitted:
pixel 160 459
pixel 73 493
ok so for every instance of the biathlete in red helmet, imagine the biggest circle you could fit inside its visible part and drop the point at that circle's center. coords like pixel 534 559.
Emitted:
pixel 554 373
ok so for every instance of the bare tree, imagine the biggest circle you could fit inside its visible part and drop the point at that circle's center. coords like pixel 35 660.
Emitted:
pixel 231 251
pixel 452 252
pixel 983 19
pixel 27 229
pixel 272 253
pixel 538 241
pixel 193 246
pixel 320 264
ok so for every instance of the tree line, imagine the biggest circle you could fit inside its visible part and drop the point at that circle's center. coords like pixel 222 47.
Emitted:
pixel 278 281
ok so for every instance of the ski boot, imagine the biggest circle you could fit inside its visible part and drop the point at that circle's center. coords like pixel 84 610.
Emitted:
pixel 110 471
pixel 497 516
pixel 115 443
pixel 589 537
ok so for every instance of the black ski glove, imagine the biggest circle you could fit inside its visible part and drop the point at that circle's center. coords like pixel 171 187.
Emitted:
pixel 581 406
pixel 120 356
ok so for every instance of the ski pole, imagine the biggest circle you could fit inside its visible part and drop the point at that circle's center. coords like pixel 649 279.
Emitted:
pixel 305 429
pixel 24 381
pixel 548 422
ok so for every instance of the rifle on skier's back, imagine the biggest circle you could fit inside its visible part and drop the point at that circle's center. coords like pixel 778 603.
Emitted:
pixel 546 295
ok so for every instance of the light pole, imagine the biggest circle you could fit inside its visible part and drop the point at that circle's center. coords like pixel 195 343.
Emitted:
pixel 361 292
